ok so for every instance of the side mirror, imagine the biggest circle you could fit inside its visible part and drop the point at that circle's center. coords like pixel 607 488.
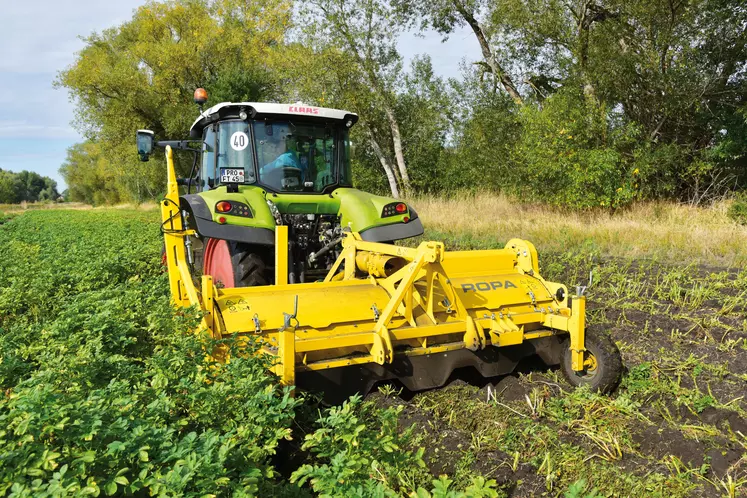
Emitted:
pixel 144 144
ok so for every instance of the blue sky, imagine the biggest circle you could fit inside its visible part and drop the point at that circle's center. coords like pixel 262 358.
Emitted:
pixel 41 37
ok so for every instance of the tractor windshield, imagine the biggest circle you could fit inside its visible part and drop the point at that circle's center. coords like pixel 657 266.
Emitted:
pixel 298 157
pixel 290 157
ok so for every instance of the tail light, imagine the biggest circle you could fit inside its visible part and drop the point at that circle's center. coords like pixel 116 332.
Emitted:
pixel 233 208
pixel 394 209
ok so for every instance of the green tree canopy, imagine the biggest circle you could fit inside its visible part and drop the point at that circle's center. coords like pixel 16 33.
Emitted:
pixel 143 73
pixel 652 87
pixel 26 186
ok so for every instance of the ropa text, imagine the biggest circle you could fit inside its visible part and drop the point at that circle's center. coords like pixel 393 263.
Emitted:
pixel 486 286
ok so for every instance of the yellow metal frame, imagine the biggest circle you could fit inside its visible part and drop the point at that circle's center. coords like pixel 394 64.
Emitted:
pixel 412 301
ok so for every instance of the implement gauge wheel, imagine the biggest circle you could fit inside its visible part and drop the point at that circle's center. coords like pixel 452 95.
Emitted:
pixel 233 264
pixel 602 363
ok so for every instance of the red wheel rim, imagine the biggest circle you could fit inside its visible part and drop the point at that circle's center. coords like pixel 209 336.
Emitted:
pixel 218 263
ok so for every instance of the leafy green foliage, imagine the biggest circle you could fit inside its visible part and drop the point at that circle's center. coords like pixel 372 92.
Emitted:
pixel 579 104
pixel 479 488
pixel 357 452
pixel 578 490
pixel 90 177
pixel 104 391
pixel 738 210
pixel 142 74
pixel 568 144
pixel 26 186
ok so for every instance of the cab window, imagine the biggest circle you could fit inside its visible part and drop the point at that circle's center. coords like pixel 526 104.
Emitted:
pixel 296 157
pixel 234 150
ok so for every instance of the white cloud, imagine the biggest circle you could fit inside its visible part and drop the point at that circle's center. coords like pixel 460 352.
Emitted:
pixel 26 129
pixel 42 36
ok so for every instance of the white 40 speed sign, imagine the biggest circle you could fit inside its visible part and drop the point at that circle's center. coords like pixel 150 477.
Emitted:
pixel 239 141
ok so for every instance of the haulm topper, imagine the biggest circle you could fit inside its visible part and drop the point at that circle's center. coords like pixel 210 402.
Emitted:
pixel 381 311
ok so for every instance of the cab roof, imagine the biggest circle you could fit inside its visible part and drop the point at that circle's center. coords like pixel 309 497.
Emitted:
pixel 255 110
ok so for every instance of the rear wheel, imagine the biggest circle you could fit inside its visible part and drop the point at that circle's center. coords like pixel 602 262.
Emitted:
pixel 602 363
pixel 233 264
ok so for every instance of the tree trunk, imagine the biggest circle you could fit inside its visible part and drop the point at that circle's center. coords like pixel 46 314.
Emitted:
pixel 378 89
pixel 487 53
pixel 388 169
pixel 584 24
pixel 398 154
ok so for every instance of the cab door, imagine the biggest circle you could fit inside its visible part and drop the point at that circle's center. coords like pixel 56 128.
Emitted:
pixel 206 179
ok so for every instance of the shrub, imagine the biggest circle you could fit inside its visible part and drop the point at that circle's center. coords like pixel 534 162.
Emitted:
pixel 570 154
pixel 104 391
pixel 738 209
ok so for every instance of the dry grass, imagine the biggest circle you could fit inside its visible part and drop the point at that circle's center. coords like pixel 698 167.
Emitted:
pixel 36 206
pixel 148 206
pixel 26 206
pixel 664 230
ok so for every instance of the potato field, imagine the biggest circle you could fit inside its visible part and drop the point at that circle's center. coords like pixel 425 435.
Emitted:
pixel 105 392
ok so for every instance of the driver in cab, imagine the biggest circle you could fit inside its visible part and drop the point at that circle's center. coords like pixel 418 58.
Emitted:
pixel 276 147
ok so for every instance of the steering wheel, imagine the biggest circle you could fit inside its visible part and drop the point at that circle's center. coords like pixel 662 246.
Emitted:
pixel 275 177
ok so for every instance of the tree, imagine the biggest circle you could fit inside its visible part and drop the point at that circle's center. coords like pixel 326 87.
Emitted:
pixel 426 114
pixel 362 34
pixel 26 186
pixel 670 73
pixel 49 192
pixel 90 176
pixel 11 188
pixel 674 68
pixel 656 87
pixel 445 16
pixel 142 74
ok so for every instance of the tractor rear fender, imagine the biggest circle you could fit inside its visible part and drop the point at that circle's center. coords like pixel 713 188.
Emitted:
pixel 201 219
pixel 365 214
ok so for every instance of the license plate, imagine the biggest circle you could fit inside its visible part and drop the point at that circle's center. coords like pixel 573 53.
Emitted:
pixel 232 175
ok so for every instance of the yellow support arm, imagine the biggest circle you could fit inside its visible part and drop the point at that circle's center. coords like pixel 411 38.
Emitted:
pixel 183 291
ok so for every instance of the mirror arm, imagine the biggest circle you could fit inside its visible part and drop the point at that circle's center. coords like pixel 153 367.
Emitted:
pixel 178 144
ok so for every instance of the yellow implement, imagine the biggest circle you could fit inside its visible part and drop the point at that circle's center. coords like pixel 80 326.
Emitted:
pixel 384 312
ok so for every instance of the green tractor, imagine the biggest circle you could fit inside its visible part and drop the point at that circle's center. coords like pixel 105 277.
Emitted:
pixel 261 165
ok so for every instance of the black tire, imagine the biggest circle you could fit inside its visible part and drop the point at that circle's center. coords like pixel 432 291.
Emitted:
pixel 606 376
pixel 252 267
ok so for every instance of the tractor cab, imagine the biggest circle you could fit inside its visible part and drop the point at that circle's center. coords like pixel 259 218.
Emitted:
pixel 263 165
pixel 284 148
